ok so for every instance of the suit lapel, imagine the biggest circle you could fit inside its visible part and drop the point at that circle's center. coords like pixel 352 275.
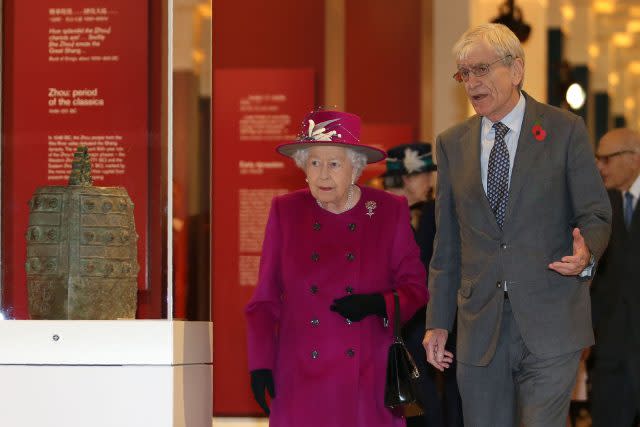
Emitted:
pixel 527 151
pixel 617 220
pixel 474 137
pixel 635 216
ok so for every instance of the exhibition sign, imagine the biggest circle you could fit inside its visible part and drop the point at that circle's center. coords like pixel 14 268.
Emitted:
pixel 254 111
pixel 74 73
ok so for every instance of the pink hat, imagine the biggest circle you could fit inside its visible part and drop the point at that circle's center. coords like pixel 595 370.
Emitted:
pixel 323 127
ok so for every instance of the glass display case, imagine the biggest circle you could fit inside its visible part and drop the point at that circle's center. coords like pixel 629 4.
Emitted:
pixel 105 210
pixel 131 82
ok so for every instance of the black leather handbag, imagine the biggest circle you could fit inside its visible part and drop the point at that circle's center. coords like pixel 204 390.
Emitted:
pixel 400 393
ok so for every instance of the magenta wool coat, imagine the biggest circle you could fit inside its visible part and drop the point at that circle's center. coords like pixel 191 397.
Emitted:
pixel 329 371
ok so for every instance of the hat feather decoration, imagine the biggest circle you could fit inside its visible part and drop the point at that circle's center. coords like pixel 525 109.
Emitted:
pixel 413 161
pixel 318 132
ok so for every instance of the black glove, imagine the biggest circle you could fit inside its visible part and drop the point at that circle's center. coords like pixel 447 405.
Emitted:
pixel 358 306
pixel 261 379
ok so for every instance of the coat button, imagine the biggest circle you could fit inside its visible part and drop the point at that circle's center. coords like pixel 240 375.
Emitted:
pixel 348 290
pixel 314 289
pixel 315 256
pixel 350 256
pixel 503 245
pixel 315 322
pixel 317 226
pixel 315 354
pixel 498 284
pixel 352 227
pixel 350 352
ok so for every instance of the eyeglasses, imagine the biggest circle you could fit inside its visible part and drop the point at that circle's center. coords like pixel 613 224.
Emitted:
pixel 604 158
pixel 478 70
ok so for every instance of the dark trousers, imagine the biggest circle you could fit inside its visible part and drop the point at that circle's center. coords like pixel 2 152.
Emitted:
pixel 438 392
pixel 615 392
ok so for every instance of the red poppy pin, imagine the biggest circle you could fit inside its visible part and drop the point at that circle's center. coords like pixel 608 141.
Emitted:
pixel 538 131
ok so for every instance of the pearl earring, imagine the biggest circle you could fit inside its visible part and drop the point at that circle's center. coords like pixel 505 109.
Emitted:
pixel 306 180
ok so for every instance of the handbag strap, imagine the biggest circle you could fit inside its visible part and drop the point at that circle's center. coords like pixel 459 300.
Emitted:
pixel 415 373
pixel 396 316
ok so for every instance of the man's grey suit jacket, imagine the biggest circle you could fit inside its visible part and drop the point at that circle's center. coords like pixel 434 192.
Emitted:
pixel 554 187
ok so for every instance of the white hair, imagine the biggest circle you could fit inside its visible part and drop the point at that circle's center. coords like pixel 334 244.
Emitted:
pixel 505 44
pixel 358 160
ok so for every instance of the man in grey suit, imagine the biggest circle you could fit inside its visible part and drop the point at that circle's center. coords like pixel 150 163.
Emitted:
pixel 522 216
pixel 615 294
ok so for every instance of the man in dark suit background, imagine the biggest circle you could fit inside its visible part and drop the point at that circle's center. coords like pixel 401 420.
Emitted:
pixel 615 374
pixel 521 217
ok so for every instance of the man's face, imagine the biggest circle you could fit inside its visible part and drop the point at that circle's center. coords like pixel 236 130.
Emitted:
pixel 495 94
pixel 618 165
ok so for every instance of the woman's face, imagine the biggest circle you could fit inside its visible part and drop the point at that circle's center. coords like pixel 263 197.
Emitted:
pixel 417 186
pixel 329 173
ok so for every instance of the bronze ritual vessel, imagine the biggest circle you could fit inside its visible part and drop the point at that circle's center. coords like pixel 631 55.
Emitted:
pixel 81 249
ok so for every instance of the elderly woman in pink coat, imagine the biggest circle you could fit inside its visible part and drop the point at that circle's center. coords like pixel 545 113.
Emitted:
pixel 319 320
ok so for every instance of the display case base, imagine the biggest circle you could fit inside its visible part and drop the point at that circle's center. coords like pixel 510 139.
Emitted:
pixel 133 373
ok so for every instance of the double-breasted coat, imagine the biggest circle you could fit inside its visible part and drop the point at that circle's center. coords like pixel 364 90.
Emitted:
pixel 329 371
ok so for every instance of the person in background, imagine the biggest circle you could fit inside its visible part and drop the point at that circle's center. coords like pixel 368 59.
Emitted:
pixel 320 320
pixel 521 218
pixel 412 166
pixel 393 184
pixel 615 294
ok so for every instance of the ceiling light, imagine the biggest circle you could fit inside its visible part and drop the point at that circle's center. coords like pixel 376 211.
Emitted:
pixel 634 67
pixel 568 12
pixel 633 26
pixel 614 79
pixel 604 7
pixel 205 10
pixel 622 40
pixel 576 96
pixel 198 56
pixel 594 50
pixel 629 103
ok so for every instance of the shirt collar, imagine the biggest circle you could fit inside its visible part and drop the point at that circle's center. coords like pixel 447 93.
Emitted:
pixel 513 120
pixel 635 188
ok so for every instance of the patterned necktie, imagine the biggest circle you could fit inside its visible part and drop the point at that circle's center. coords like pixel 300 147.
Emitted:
pixel 628 209
pixel 498 174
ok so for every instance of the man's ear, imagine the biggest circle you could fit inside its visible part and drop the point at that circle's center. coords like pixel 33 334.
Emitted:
pixel 517 70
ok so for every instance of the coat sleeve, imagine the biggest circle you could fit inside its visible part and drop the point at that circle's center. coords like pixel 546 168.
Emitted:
pixel 591 206
pixel 444 269
pixel 409 275
pixel 263 310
